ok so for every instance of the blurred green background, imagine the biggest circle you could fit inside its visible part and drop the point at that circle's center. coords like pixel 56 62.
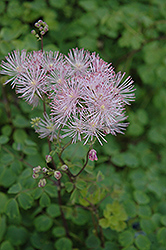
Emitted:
pixel 131 35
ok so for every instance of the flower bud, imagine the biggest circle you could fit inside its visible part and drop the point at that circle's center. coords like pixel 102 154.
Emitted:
pixel 92 155
pixel 64 167
pixel 35 176
pixel 106 131
pixel 37 25
pixel 44 170
pixel 36 169
pixel 42 32
pixel 42 182
pixel 48 158
pixel 33 32
pixel 57 175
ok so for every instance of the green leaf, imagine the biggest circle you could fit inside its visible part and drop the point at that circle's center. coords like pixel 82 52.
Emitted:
pixel 130 160
pixel 7 158
pixel 4 139
pixel 130 208
pixel 16 167
pixel 29 142
pixel 161 235
pixel 37 192
pixel 6 245
pixel 58 231
pixel 80 184
pixel 6 130
pixel 44 200
pixel 12 209
pixel 163 220
pixel 141 197
pixel 51 190
pixel 63 244
pixel 43 223
pixel 19 135
pixel 118 160
pixel 126 238
pixel 144 211
pixel 30 150
pixel 17 235
pixel 16 188
pixel 104 223
pixel 80 216
pixel 92 241
pixel 25 200
pixel 68 186
pixel 53 210
pixel 2 226
pixel 129 248
pixel 147 225
pixel 3 199
pixel 142 242
pixel 21 122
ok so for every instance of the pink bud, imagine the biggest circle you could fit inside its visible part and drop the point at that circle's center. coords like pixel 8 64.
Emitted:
pixel 33 32
pixel 93 155
pixel 35 176
pixel 64 167
pixel 48 158
pixel 42 183
pixel 36 169
pixel 57 175
pixel 44 170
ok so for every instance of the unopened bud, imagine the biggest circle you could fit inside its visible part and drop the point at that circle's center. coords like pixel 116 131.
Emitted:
pixel 36 169
pixel 37 25
pixel 48 158
pixel 64 167
pixel 33 32
pixel 42 183
pixel 42 32
pixel 92 155
pixel 57 175
pixel 35 176
pixel 106 131
pixel 44 170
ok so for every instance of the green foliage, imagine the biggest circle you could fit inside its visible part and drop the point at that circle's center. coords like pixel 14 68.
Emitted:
pixel 121 198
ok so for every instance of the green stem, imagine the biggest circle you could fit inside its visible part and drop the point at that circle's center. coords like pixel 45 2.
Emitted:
pixel 61 210
pixel 86 162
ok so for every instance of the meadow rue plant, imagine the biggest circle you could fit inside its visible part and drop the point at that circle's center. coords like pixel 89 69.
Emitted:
pixel 83 98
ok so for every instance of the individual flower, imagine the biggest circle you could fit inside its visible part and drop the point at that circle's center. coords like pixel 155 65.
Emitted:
pixel 74 127
pixel 42 182
pixel 79 60
pixel 46 128
pixel 92 155
pixel 66 99
pixel 15 65
pixel 32 85
pixel 50 60
pixel 57 175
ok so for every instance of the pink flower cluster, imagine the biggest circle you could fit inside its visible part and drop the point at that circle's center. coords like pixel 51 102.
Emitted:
pixel 86 97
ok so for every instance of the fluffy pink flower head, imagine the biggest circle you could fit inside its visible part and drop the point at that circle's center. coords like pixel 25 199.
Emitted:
pixel 92 155
pixel 15 65
pixel 79 61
